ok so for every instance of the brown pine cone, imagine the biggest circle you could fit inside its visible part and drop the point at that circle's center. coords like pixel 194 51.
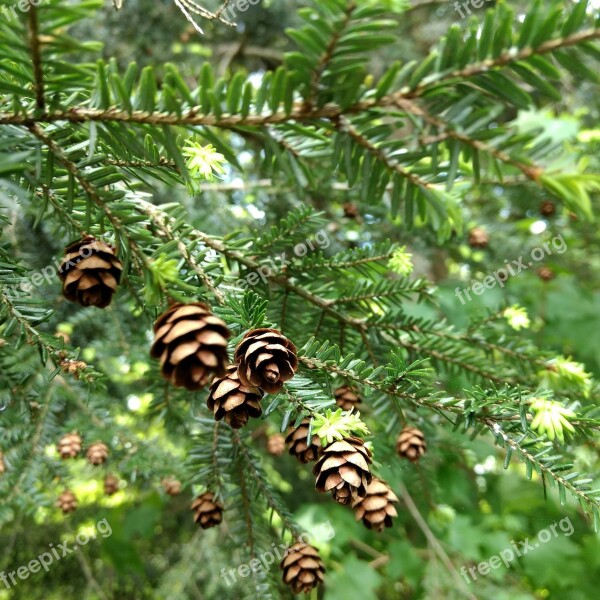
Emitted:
pixel 297 441
pixel 191 344
pixel 97 453
pixel 67 502
pixel 376 509
pixel 90 272
pixel 411 443
pixel 546 274
pixel 276 444
pixel 547 208
pixel 207 511
pixel 171 486
pixel 233 401
pixel 351 210
pixel 346 397
pixel 2 463
pixel 111 485
pixel 69 446
pixel 478 238
pixel 302 568
pixel 266 359
pixel 343 468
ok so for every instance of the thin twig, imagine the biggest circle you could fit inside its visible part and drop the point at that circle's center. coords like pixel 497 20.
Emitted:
pixel 36 57
pixel 433 541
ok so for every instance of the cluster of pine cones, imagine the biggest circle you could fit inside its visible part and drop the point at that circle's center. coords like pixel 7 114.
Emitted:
pixel 191 344
pixel 69 446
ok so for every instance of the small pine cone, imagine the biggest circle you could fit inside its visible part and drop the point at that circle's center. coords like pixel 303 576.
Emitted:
pixel 297 441
pixel 266 359
pixel 346 397
pixel 67 502
pixel 172 486
pixel 351 210
pixel 276 444
pixel 97 453
pixel 376 509
pixel 302 568
pixel 207 512
pixel 111 485
pixel 69 446
pixel 90 272
pixel 411 443
pixel 547 208
pixel 343 468
pixel 478 238
pixel 546 274
pixel 233 401
pixel 191 344
pixel 2 463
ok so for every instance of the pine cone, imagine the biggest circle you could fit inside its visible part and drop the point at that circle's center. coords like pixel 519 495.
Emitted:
pixel 266 359
pixel 207 512
pixel 97 453
pixel 547 208
pixel 67 502
pixel 376 509
pixel 346 397
pixel 411 443
pixel 2 463
pixel 343 467
pixel 233 401
pixel 302 568
pixel 297 441
pixel 111 485
pixel 478 238
pixel 546 274
pixel 191 344
pixel 171 486
pixel 276 444
pixel 90 272
pixel 351 210
pixel 69 446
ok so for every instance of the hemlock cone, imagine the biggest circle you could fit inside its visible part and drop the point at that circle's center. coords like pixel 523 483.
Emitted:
pixel 343 469
pixel 90 272
pixel 111 485
pixel 207 511
pixel 346 397
pixel 376 509
pixel 191 344
pixel 411 443
pixel 276 444
pixel 172 486
pixel 69 446
pixel 97 453
pixel 478 238
pixel 266 359
pixel 302 568
pixel 231 400
pixel 67 502
pixel 297 441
